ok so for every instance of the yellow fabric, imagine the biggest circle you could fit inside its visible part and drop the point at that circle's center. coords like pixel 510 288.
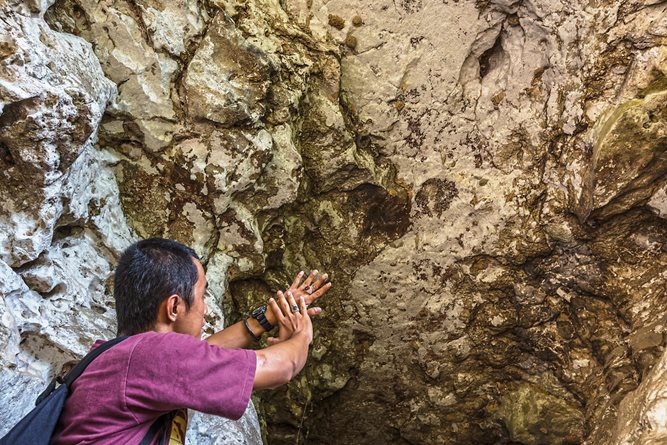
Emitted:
pixel 178 427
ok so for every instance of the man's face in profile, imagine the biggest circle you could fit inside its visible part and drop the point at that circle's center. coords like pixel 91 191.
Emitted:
pixel 191 322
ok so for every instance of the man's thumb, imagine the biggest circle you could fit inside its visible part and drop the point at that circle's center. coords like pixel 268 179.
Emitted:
pixel 314 311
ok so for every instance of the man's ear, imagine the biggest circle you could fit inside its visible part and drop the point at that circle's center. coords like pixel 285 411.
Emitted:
pixel 172 306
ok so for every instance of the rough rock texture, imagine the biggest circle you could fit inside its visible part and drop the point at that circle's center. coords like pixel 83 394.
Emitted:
pixel 485 180
pixel 642 414
pixel 62 225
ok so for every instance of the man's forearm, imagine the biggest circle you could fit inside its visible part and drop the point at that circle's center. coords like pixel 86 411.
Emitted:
pixel 277 364
pixel 236 336
pixel 280 363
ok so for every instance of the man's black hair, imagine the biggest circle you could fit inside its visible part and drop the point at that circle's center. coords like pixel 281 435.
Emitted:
pixel 148 272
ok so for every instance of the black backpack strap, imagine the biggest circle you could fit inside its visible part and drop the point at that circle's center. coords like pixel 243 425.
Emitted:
pixel 49 389
pixel 157 426
pixel 75 372
pixel 92 355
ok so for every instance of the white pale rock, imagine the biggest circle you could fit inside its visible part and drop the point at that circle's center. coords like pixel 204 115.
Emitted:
pixel 658 202
pixel 56 78
pixel 228 78
pixel 75 310
pixel 19 394
pixel 281 178
pixel 642 415
pixel 209 430
pixel 234 161
pixel 146 95
pixel 11 286
pixel 173 24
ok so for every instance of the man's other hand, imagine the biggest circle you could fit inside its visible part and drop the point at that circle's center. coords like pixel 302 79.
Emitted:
pixel 291 318
pixel 311 289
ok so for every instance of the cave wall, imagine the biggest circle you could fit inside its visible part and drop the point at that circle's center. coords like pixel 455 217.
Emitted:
pixel 484 180
pixel 62 223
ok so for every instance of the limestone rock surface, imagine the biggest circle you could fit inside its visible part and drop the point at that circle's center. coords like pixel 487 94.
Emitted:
pixel 485 181
pixel 63 226
pixel 641 417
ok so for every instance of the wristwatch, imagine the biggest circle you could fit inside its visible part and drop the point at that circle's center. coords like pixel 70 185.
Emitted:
pixel 259 314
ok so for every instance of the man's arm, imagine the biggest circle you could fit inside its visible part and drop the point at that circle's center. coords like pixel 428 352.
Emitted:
pixel 236 336
pixel 280 363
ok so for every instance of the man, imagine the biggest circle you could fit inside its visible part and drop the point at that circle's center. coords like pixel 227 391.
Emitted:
pixel 139 390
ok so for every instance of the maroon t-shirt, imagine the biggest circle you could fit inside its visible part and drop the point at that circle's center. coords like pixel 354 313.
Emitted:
pixel 125 389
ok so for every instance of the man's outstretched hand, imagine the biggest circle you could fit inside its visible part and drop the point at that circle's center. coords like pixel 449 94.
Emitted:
pixel 311 289
pixel 290 320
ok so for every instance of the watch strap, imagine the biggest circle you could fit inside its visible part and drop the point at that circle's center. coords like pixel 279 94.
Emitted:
pixel 259 314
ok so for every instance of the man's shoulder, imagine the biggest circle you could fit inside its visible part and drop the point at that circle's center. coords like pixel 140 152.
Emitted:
pixel 151 342
pixel 151 337
pixel 146 351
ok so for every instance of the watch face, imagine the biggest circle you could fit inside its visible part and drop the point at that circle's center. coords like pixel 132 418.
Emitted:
pixel 259 314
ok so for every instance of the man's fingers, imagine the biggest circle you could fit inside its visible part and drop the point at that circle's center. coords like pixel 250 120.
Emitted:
pixel 284 305
pixel 292 302
pixel 316 285
pixel 312 311
pixel 298 293
pixel 272 340
pixel 321 291
pixel 276 310
pixel 309 279
pixel 304 307
pixel 297 280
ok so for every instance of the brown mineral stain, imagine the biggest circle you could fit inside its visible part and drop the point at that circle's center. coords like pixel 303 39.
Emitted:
pixel 435 196
pixel 336 21
pixel 497 98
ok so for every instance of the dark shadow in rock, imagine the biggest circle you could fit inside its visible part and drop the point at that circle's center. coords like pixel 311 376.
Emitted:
pixel 255 294
pixel 6 156
pixel 386 213
pixel 67 16
pixel 491 58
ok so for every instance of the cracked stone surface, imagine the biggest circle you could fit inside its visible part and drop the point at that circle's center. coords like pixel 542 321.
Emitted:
pixel 63 225
pixel 486 181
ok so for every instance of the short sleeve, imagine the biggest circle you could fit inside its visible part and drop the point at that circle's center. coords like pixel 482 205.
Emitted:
pixel 167 371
